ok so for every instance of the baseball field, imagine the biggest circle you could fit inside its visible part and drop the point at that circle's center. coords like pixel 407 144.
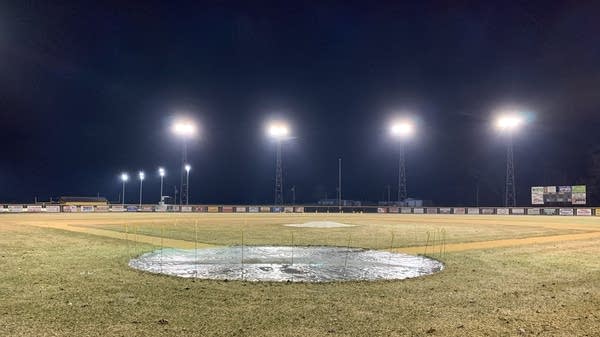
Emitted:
pixel 68 275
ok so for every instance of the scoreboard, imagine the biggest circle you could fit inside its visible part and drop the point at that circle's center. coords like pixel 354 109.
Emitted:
pixel 548 195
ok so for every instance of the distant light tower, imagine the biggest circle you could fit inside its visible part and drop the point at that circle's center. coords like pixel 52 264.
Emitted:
pixel 508 123
pixel 161 173
pixel 188 167
pixel 184 129
pixel 279 131
pixel 141 175
pixel 402 130
pixel 124 178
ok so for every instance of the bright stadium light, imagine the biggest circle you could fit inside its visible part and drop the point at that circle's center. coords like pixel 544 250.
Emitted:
pixel 402 130
pixel 278 131
pixel 184 129
pixel 508 121
pixel 124 178
pixel 188 168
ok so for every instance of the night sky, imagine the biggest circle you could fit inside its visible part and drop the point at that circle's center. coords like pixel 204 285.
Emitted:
pixel 89 90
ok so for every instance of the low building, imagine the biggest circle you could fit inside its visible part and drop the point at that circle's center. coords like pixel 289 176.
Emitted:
pixel 83 201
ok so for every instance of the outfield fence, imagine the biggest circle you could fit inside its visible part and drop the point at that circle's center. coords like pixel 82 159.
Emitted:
pixel 53 208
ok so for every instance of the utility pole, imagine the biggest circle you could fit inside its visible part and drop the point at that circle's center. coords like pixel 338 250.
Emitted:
pixel 278 177
pixel 293 189
pixel 402 175
pixel 339 184
pixel 510 197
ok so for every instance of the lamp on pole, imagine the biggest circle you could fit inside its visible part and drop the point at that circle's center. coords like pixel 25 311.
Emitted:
pixel 141 175
pixel 187 182
pixel 124 178
pixel 184 129
pixel 161 173
pixel 402 130
pixel 278 131
pixel 508 123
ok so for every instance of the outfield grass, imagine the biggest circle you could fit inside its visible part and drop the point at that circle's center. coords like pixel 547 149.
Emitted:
pixel 57 282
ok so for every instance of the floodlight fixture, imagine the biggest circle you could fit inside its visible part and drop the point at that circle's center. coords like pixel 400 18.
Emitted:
pixel 124 177
pixel 161 172
pixel 278 130
pixel 141 175
pixel 188 167
pixel 402 129
pixel 184 128
pixel 509 122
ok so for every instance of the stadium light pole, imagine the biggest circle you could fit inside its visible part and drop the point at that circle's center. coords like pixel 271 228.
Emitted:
pixel 188 167
pixel 278 131
pixel 141 175
pixel 161 173
pixel 402 130
pixel 124 178
pixel 508 123
pixel 185 129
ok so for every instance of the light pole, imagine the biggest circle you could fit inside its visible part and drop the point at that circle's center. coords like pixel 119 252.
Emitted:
pixel 278 131
pixel 124 178
pixel 141 175
pixel 187 183
pixel 161 173
pixel 402 130
pixel 184 129
pixel 507 123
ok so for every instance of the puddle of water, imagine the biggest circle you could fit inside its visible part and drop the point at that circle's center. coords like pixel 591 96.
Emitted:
pixel 278 263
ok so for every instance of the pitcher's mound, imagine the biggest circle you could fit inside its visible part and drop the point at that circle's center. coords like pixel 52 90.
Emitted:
pixel 320 224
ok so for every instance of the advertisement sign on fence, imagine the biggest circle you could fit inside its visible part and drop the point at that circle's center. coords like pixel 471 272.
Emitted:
pixel 289 209
pixel 117 208
pixel 393 210
pixel 69 209
pixel 265 209
pixel 549 211
pixel 276 209
pixel 517 211
pixel 240 209
pixel 432 210
pixel 213 209
pixel 381 210
pixel 405 210
pixel 565 211
pixel 186 209
pixel 459 210
pixel 227 209
pixel 487 211
pixel 253 209
pixel 579 195
pixel 34 208
pixel 15 208
pixel 131 208
pixel 444 210
pixel 473 211
pixel 87 209
pixel 502 211
pixel 199 209
pixel 102 208
pixel 299 209
pixel 584 211
pixel 160 208
pixel 52 208
pixel 533 211
pixel 418 210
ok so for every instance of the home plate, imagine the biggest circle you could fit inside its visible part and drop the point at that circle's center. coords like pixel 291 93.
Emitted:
pixel 320 224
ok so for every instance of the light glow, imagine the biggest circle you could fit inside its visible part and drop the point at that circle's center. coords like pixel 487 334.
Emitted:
pixel 509 122
pixel 141 175
pixel 161 171
pixel 402 129
pixel 188 167
pixel 184 128
pixel 124 177
pixel 278 130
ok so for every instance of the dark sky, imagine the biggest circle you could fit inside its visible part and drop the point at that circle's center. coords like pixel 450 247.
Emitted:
pixel 88 90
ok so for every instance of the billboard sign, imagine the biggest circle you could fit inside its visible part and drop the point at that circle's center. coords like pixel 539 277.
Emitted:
pixel 418 210
pixel 240 209
pixel 584 211
pixel 253 209
pixel 533 211
pixel 537 195
pixel 445 210
pixel 299 209
pixel 473 211
pixel 52 208
pixel 548 195
pixel 579 195
pixel 459 210
pixel 213 209
pixel 87 209
pixel 34 208
pixel 502 211
pixel 117 208
pixel 405 210
pixel 517 211
pixel 565 211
